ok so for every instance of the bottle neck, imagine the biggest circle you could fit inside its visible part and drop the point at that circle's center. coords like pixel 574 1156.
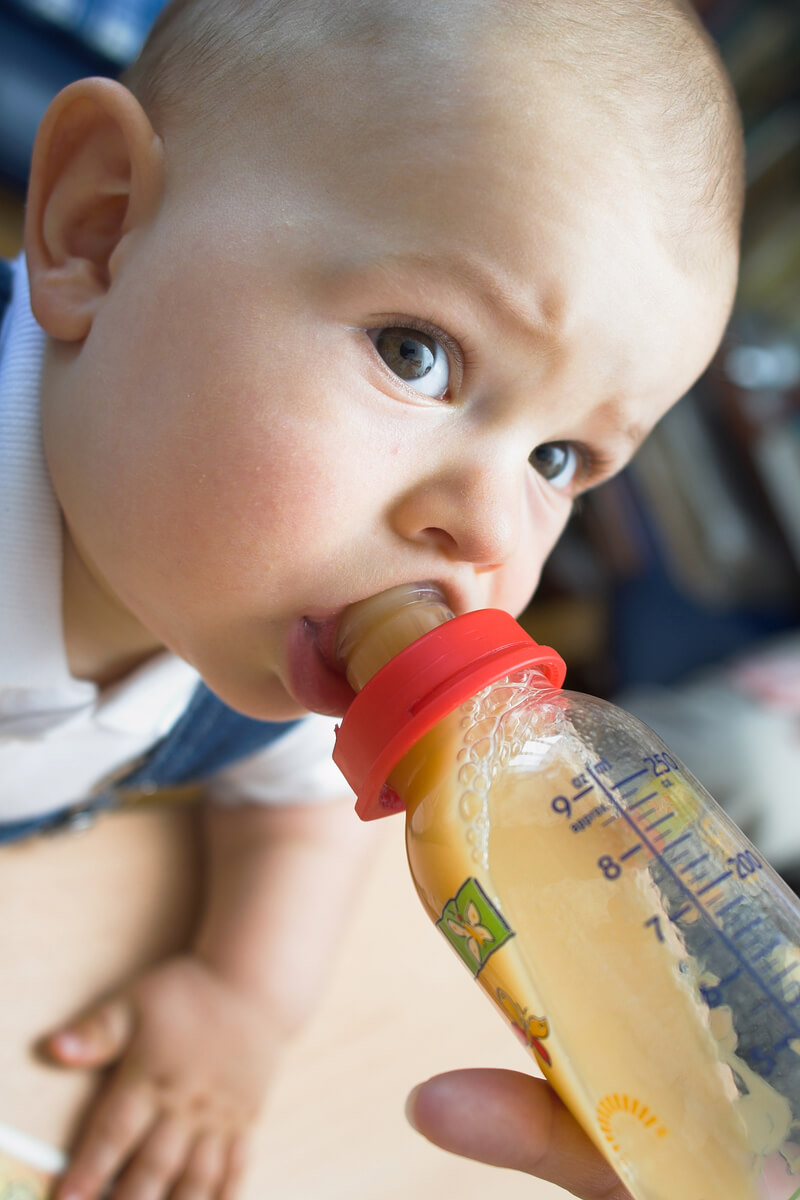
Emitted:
pixel 413 664
pixel 373 631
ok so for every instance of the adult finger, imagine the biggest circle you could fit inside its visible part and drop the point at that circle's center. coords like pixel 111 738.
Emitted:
pixel 511 1120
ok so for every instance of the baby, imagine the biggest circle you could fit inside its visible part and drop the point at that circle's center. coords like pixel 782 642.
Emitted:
pixel 326 298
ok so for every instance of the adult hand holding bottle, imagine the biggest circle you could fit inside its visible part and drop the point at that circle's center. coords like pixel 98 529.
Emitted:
pixel 509 1119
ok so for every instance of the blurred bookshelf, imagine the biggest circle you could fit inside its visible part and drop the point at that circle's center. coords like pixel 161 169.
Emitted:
pixel 693 553
pixel 46 44
pixel 11 216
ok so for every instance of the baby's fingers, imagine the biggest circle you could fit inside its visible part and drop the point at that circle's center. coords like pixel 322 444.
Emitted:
pixel 205 1171
pixel 237 1161
pixel 158 1162
pixel 117 1124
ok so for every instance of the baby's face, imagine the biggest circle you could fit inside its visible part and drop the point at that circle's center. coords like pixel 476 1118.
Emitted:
pixel 397 355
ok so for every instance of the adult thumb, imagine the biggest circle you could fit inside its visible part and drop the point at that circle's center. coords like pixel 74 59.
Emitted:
pixel 95 1039
pixel 512 1120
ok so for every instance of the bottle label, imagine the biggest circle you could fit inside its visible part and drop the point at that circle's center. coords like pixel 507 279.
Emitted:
pixel 473 926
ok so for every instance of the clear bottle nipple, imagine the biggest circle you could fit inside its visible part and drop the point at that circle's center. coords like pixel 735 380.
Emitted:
pixel 373 631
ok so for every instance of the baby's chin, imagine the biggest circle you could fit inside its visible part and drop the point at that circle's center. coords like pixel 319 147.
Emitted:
pixel 314 688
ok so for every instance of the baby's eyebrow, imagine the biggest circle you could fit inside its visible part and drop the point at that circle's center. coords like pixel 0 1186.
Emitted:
pixel 630 432
pixel 540 319
pixel 542 323
pixel 611 422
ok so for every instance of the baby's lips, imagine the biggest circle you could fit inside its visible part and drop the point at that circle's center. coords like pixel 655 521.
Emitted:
pixel 324 635
pixel 317 681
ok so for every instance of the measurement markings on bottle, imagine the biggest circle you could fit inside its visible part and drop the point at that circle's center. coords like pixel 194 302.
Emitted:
pixel 655 824
pixel 678 841
pixel 636 775
pixel 714 882
pixel 765 951
pixel 715 993
pixel 642 800
pixel 743 929
pixel 730 905
pixel 784 974
pixel 749 978
pixel 588 818
pixel 565 806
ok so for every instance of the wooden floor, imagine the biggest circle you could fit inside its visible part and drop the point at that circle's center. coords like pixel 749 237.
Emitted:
pixel 79 913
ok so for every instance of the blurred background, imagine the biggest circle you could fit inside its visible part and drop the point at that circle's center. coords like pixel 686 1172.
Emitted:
pixel 676 590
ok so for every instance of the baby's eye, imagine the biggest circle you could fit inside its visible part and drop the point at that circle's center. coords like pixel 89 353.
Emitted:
pixel 415 357
pixel 556 462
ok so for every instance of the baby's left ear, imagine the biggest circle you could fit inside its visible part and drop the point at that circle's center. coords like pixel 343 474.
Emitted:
pixel 96 173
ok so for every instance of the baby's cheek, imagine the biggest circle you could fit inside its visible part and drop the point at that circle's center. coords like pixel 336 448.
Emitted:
pixel 326 502
pixel 516 581
pixel 513 587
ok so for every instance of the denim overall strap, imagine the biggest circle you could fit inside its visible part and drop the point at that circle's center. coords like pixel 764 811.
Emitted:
pixel 206 737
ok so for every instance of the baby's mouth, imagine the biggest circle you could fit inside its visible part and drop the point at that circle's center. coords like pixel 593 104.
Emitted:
pixel 317 679
pixel 323 634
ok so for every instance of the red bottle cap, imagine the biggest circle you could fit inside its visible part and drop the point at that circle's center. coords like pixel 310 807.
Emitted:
pixel 422 684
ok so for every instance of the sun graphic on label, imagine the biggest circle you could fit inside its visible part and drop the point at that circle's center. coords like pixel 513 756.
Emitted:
pixel 620 1103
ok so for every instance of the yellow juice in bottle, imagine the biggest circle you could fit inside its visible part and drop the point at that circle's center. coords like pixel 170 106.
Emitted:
pixel 578 982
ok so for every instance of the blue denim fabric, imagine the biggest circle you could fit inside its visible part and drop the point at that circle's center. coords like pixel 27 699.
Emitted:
pixel 206 737
pixel 17 831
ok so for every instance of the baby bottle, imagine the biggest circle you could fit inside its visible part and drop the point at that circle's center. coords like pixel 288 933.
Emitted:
pixel 639 946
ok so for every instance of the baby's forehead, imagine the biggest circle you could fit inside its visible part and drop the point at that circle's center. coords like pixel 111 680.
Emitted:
pixel 371 89
pixel 373 48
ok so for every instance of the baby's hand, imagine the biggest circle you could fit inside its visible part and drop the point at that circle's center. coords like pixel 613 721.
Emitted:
pixel 193 1057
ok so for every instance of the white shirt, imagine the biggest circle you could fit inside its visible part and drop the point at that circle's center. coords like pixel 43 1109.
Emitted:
pixel 60 736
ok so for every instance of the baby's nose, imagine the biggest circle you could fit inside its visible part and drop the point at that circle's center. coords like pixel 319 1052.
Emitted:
pixel 471 516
